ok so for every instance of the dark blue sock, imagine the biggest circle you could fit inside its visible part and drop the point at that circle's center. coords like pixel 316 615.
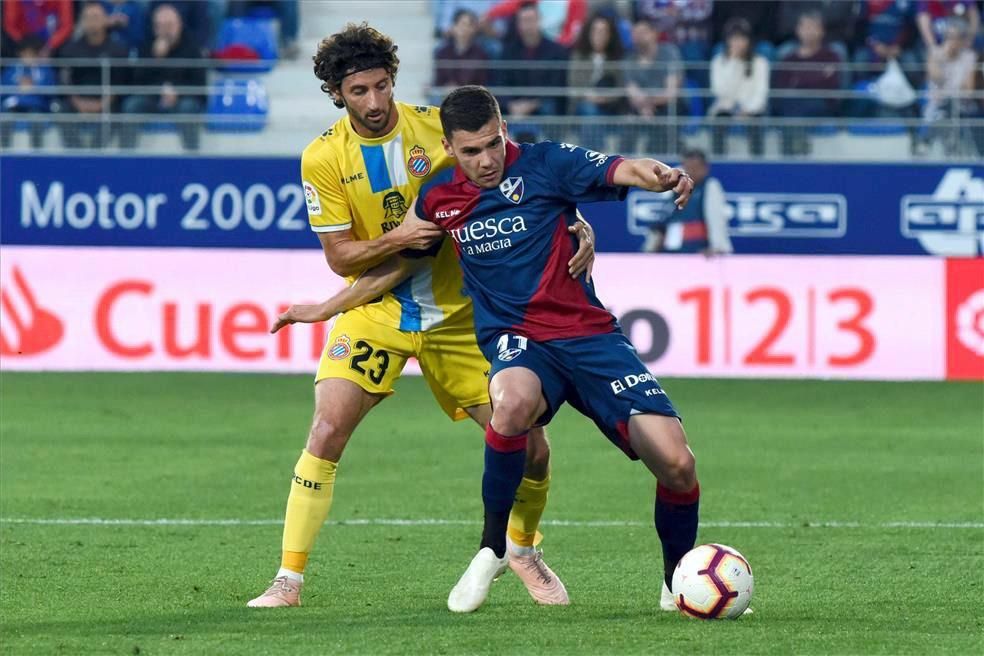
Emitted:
pixel 676 525
pixel 505 459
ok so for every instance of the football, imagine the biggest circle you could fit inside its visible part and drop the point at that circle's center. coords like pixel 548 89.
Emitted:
pixel 713 581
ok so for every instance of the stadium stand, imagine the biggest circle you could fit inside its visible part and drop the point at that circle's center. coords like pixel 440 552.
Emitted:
pixel 871 88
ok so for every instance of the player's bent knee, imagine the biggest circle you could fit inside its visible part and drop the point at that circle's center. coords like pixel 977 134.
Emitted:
pixel 326 439
pixel 513 414
pixel 680 471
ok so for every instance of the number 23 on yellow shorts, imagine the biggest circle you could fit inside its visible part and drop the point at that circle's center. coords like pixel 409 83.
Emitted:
pixel 368 353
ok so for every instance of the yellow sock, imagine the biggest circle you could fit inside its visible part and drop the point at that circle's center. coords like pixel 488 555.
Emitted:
pixel 307 508
pixel 531 499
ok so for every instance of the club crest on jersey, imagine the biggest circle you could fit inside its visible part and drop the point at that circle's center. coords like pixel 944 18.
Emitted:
pixel 341 349
pixel 512 189
pixel 419 163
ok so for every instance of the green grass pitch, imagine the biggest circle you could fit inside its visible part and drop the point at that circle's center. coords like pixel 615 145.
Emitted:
pixel 897 468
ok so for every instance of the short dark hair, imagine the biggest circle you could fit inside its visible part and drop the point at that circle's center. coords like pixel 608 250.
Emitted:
pixel 30 42
pixel 461 12
pixel 695 153
pixel 356 48
pixel 468 108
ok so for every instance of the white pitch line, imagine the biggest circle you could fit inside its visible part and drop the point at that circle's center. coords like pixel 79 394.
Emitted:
pixel 100 521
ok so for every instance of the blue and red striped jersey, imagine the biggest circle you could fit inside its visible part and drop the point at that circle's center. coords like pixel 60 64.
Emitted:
pixel 513 243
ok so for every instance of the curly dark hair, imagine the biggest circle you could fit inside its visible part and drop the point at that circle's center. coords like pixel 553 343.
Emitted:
pixel 356 48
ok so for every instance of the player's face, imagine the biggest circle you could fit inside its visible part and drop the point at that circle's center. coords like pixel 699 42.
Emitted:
pixel 482 154
pixel 368 97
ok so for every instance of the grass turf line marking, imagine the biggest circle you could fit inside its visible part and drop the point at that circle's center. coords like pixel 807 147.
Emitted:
pixel 100 521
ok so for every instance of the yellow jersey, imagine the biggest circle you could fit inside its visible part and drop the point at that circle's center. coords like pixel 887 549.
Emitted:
pixel 366 186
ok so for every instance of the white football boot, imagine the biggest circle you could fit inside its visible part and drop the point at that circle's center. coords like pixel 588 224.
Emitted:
pixel 473 586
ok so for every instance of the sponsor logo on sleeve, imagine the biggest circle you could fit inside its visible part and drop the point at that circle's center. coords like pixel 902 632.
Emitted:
pixel 312 199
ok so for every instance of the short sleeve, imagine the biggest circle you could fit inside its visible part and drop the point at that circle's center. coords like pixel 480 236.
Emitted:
pixel 327 206
pixel 581 175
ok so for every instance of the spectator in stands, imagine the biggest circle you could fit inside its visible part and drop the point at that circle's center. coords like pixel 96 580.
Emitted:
pixel 950 71
pixel 838 17
pixel 686 23
pixel 127 22
pixel 560 20
pixel 538 66
pixel 446 13
pixel 740 84
pixel 287 12
pixel 885 27
pixel 460 47
pixel 812 67
pixel 170 42
pixel 596 76
pixel 51 20
pixel 655 76
pixel 28 74
pixel 94 42
pixel 932 20
pixel 761 15
pixel 701 226
pixel 195 21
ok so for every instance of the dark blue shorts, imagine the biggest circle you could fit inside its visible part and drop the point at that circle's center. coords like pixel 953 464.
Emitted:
pixel 601 376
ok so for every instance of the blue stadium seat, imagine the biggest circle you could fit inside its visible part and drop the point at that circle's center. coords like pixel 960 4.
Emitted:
pixel 237 105
pixel 252 35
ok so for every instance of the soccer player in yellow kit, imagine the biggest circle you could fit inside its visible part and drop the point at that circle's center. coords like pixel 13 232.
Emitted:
pixel 359 178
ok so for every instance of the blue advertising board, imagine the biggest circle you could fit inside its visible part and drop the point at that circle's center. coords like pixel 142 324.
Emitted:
pixel 809 208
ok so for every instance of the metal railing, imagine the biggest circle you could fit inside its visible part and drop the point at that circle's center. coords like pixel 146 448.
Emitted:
pixel 662 135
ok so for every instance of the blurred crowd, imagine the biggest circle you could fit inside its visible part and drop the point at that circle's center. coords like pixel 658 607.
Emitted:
pixel 44 41
pixel 797 60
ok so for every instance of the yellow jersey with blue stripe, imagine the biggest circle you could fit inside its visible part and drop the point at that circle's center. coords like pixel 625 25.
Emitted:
pixel 366 186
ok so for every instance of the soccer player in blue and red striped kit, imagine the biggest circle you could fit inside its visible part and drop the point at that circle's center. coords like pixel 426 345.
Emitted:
pixel 548 338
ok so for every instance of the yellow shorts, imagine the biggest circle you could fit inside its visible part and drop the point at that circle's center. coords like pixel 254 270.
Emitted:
pixel 372 355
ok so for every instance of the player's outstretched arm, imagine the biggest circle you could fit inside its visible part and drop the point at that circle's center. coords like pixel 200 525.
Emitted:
pixel 653 175
pixel 348 256
pixel 372 284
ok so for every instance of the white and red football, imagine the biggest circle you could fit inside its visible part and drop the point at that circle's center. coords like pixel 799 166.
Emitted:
pixel 713 581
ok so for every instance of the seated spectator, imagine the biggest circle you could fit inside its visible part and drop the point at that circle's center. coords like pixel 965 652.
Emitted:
pixel 686 23
pixel 446 13
pixel 127 22
pixel 287 12
pixel 527 50
pixel 93 42
pixel 951 72
pixel 655 77
pixel 839 18
pixel 740 84
pixel 811 67
pixel 461 46
pixel 170 42
pixel 596 76
pixel 885 28
pixel 195 21
pixel 560 20
pixel 51 20
pixel 28 74
pixel 701 226
pixel 932 20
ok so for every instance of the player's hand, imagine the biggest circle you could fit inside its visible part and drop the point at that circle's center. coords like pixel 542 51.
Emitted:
pixel 415 232
pixel 302 314
pixel 583 260
pixel 680 182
